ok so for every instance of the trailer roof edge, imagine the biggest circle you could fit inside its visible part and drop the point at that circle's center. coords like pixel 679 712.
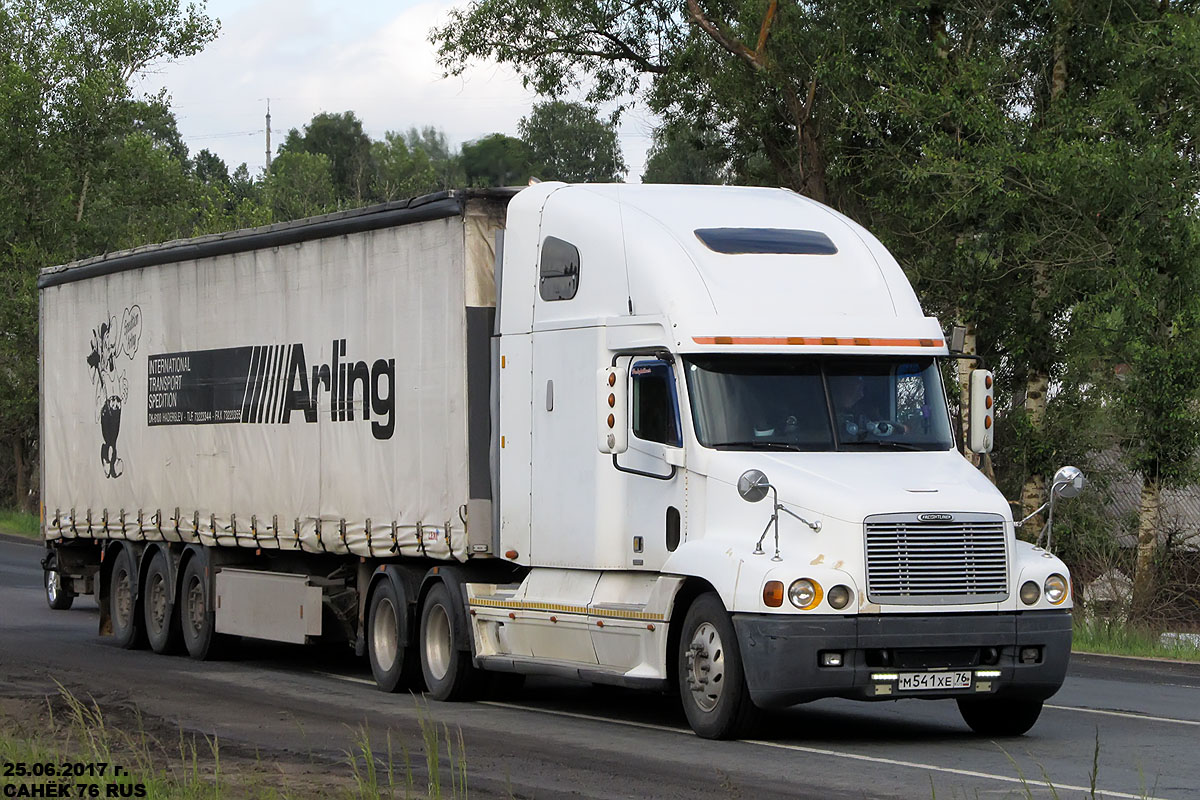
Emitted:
pixel 439 205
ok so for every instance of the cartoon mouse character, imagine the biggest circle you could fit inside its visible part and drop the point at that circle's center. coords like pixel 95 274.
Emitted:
pixel 111 391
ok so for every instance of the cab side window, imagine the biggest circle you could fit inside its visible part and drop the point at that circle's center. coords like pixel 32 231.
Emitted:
pixel 558 274
pixel 655 409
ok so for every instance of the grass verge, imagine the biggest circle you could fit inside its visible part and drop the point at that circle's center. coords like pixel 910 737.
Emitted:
pixel 19 523
pixel 113 753
pixel 1117 638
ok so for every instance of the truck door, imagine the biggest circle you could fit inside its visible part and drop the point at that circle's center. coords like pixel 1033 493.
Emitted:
pixel 655 482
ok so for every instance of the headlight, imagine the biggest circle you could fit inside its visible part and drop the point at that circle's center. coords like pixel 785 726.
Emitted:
pixel 840 597
pixel 1030 592
pixel 1056 589
pixel 805 594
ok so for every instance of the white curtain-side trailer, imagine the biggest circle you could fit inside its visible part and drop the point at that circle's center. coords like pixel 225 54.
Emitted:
pixel 491 433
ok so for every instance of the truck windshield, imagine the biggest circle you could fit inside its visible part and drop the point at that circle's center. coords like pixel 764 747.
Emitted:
pixel 821 403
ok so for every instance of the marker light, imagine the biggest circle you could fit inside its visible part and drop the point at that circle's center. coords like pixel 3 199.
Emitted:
pixel 884 676
pixel 773 594
pixel 987 673
pixel 1030 593
pixel 805 594
pixel 1056 589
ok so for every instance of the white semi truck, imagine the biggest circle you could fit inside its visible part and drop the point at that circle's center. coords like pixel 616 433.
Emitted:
pixel 492 433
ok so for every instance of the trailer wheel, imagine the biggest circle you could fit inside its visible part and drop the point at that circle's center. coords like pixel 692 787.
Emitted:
pixel 58 595
pixel 449 673
pixel 392 661
pixel 122 601
pixel 158 606
pixel 196 614
pixel 712 682
pixel 999 716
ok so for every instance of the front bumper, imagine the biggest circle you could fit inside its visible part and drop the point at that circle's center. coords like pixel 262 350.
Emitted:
pixel 781 654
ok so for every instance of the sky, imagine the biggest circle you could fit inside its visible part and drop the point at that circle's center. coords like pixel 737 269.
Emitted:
pixel 367 56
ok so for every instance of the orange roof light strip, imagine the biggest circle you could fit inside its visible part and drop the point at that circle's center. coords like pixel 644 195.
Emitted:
pixel 826 341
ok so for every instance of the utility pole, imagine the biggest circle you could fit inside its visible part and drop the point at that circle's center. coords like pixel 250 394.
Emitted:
pixel 268 134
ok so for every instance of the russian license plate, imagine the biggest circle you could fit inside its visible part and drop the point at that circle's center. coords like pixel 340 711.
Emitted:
pixel 934 681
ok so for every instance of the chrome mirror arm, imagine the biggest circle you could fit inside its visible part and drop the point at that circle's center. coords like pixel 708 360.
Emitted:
pixel 816 526
pixel 774 522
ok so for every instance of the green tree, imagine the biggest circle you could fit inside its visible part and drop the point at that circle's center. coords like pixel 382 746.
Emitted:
pixel 497 160
pixel 755 70
pixel 211 169
pixel 73 139
pixel 342 140
pixel 400 171
pixel 442 158
pixel 683 153
pixel 301 185
pixel 569 142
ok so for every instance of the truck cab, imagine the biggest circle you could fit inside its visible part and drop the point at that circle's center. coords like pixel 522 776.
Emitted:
pixel 669 358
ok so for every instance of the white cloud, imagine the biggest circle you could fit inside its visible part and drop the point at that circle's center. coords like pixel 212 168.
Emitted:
pixel 310 56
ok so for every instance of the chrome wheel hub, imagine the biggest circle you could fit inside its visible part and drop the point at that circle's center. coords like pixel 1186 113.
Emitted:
pixel 706 667
pixel 124 599
pixel 383 634
pixel 158 602
pixel 438 647
pixel 195 606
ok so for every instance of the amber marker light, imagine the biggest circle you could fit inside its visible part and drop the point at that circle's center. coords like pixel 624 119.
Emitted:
pixel 773 594
pixel 612 421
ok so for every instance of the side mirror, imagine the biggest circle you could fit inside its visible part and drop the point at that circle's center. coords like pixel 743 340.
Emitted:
pixel 1068 482
pixel 612 410
pixel 981 428
pixel 753 485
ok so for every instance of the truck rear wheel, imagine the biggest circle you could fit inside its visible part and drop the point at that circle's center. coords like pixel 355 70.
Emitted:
pixel 59 596
pixel 392 661
pixel 712 682
pixel 449 673
pixel 122 601
pixel 999 716
pixel 196 613
pixel 158 606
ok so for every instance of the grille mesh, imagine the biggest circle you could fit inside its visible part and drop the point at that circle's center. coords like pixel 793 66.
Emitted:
pixel 911 561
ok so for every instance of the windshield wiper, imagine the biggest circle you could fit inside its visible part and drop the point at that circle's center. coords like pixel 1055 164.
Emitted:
pixel 885 443
pixel 756 445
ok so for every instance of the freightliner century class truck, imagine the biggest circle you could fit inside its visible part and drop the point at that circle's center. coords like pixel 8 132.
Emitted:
pixel 486 434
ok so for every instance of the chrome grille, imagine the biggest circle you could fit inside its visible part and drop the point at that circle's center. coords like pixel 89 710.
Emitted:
pixel 936 561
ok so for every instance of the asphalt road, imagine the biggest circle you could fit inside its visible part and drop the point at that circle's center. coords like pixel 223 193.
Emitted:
pixel 559 739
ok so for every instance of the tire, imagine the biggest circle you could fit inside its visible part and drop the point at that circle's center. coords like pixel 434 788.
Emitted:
pixel 448 672
pixel 999 716
pixel 58 595
pixel 712 681
pixel 158 607
pixel 123 602
pixel 197 617
pixel 393 660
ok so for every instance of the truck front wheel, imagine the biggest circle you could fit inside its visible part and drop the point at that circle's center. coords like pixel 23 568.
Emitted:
pixel 122 601
pixel 712 682
pixel 449 673
pixel 999 716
